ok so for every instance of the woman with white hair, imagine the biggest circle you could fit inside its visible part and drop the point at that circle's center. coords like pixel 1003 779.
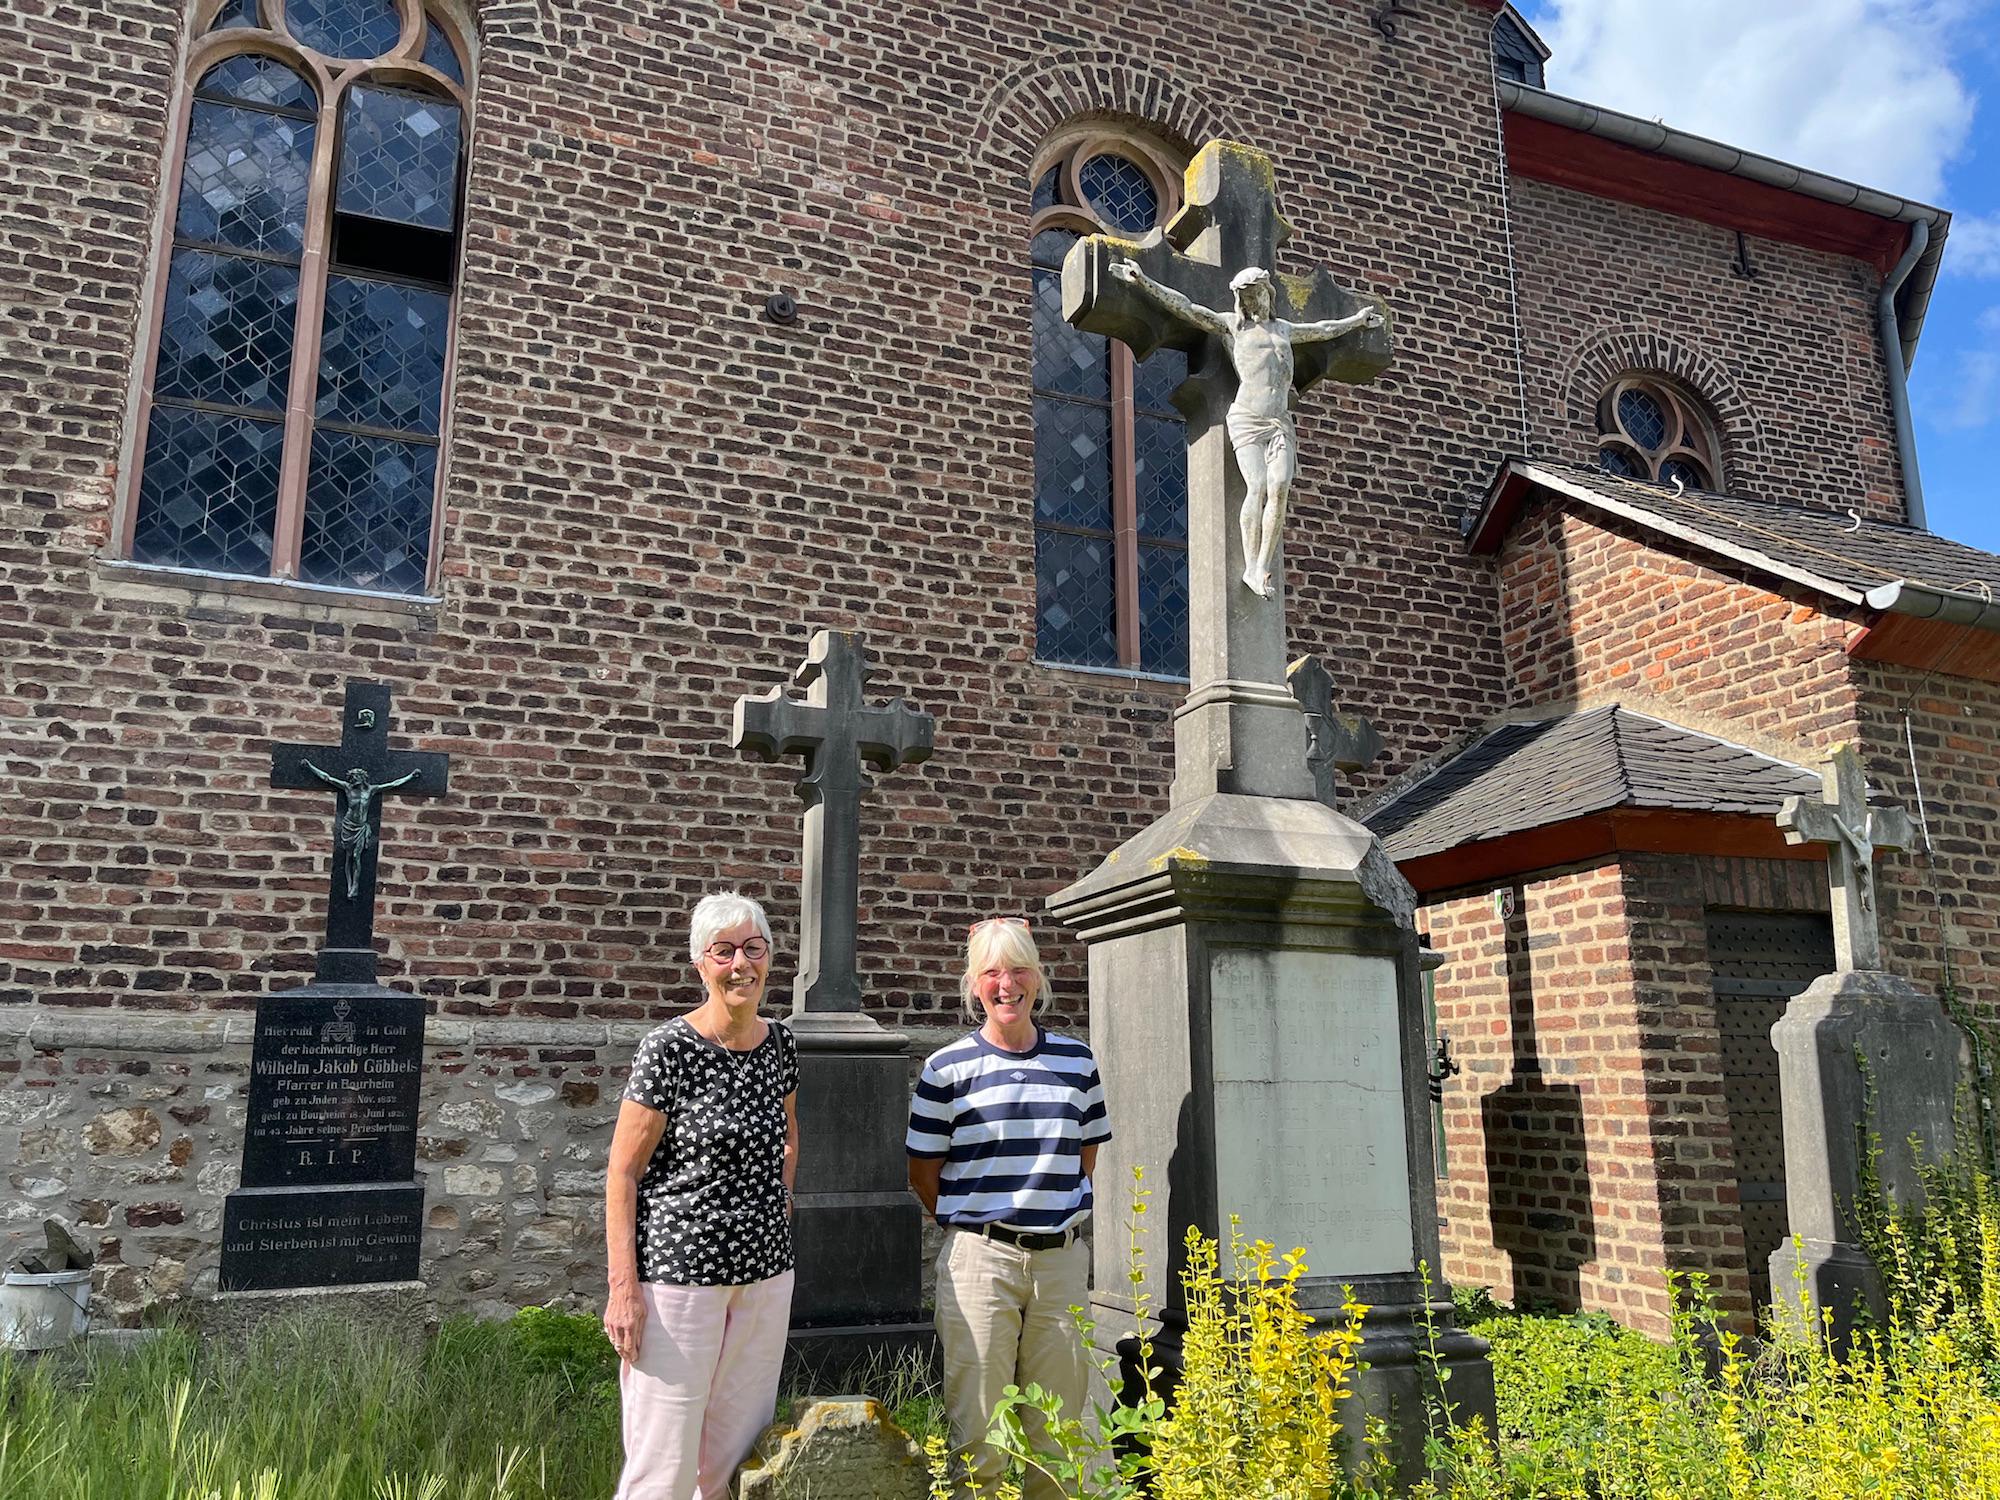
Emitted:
pixel 1004 1131
pixel 697 1220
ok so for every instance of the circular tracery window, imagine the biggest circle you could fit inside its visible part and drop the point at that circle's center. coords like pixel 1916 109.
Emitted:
pixel 1646 430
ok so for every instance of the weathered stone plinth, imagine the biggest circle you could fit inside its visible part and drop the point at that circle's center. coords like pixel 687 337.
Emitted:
pixel 1864 1059
pixel 858 1230
pixel 841 1449
pixel 1256 1010
pixel 401 1312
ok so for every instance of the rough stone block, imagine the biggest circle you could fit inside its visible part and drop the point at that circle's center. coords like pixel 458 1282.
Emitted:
pixel 845 1448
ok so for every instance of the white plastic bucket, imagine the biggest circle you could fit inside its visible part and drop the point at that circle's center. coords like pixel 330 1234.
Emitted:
pixel 44 1312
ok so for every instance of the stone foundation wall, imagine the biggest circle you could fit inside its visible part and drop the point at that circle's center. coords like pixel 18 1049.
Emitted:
pixel 132 1127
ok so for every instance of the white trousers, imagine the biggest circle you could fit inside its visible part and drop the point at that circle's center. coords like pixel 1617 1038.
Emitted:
pixel 704 1386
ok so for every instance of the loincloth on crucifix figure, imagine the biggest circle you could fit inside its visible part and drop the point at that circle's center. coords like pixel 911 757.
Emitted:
pixel 1262 433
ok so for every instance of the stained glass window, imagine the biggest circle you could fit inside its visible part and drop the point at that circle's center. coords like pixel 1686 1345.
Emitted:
pixel 1111 513
pixel 1651 429
pixel 220 488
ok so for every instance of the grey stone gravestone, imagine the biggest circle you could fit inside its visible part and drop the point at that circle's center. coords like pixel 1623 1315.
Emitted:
pixel 1256 997
pixel 329 1194
pixel 858 1230
pixel 845 1448
pixel 1865 1058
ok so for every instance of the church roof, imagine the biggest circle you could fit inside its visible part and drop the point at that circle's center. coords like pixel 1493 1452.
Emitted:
pixel 1533 774
pixel 1899 569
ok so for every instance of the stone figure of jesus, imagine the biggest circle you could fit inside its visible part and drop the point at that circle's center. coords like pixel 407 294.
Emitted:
pixel 1261 429
pixel 356 793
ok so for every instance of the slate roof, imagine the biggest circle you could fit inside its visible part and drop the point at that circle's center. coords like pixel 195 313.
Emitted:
pixel 1532 775
pixel 1822 549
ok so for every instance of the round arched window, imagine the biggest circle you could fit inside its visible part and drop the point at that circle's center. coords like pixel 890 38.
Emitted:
pixel 1648 430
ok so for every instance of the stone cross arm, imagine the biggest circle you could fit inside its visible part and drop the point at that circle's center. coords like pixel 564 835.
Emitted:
pixel 834 726
pixel 1230 223
pixel 1852 831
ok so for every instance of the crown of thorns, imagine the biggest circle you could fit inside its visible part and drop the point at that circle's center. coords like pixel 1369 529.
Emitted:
pixel 1255 276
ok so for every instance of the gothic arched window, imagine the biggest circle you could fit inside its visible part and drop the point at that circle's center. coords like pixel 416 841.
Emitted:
pixel 294 417
pixel 1110 450
pixel 1646 429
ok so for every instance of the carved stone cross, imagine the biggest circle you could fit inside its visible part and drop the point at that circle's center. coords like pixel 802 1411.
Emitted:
pixel 1239 729
pixel 1852 832
pixel 1337 742
pixel 360 770
pixel 837 733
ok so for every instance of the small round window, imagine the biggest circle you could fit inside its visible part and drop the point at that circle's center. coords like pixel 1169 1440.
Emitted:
pixel 1647 430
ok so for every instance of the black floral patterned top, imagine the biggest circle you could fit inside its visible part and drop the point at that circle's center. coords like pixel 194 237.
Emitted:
pixel 712 1200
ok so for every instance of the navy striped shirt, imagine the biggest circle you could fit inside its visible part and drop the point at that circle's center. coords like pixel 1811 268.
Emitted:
pixel 1010 1128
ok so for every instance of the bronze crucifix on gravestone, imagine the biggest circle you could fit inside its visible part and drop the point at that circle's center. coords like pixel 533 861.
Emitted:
pixel 838 734
pixel 1852 831
pixel 360 770
pixel 1239 729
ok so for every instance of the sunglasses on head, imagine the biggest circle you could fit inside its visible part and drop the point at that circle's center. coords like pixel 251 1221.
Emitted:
pixel 1020 922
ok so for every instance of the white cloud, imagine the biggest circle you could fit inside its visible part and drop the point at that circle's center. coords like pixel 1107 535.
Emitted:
pixel 1973 249
pixel 1861 89
pixel 1971 394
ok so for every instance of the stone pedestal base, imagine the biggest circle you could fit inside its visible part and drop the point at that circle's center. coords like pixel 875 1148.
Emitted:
pixel 1865 1059
pixel 400 1311
pixel 858 1228
pixel 1256 1010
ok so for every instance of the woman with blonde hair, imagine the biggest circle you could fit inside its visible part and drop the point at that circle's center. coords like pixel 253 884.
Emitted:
pixel 1004 1131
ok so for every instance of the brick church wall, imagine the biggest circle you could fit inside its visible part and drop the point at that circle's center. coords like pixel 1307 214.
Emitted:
pixel 1788 361
pixel 654 496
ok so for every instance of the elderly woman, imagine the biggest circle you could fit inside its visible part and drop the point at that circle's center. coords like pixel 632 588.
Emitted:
pixel 1004 1131
pixel 697 1220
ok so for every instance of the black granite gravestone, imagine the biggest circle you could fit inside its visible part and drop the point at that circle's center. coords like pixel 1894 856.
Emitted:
pixel 329 1195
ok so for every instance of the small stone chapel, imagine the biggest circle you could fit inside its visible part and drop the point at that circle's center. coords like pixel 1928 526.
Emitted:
pixel 569 367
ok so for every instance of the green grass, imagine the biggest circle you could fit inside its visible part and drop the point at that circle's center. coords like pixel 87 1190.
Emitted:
pixel 311 1409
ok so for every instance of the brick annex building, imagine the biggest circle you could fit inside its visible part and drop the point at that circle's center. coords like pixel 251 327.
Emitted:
pixel 433 343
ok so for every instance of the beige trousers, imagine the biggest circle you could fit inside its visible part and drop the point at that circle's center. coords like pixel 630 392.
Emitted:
pixel 1003 1318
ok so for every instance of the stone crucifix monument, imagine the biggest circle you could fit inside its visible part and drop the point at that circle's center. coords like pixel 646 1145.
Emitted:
pixel 1256 998
pixel 1865 1058
pixel 859 1232
pixel 329 1194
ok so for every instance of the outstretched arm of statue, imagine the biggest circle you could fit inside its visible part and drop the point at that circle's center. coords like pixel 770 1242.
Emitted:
pixel 335 782
pixel 1186 309
pixel 388 786
pixel 1333 328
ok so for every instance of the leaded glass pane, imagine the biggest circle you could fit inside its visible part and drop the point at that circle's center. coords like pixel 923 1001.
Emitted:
pixel 1642 418
pixel 1119 193
pixel 1157 377
pixel 1072 463
pixel 368 513
pixel 252 78
pixel 1163 610
pixel 1051 245
pixel 1686 470
pixel 1613 459
pixel 1159 472
pixel 1048 191
pixel 1075 600
pixel 236 14
pixel 226 333
pixel 209 491
pixel 345 28
pixel 381 360
pixel 1067 359
pixel 244 180
pixel 398 157
pixel 439 53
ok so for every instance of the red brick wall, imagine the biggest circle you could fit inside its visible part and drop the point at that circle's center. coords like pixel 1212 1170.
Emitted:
pixel 1789 362
pixel 655 495
pixel 1597 611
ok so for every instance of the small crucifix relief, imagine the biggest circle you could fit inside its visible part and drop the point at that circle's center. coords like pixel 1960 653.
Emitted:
pixel 1335 742
pixel 359 770
pixel 1852 831
pixel 837 733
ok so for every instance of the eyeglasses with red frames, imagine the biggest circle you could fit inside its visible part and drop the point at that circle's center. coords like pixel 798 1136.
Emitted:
pixel 1020 922
pixel 756 950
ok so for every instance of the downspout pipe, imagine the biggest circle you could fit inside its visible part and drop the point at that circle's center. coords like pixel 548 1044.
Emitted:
pixel 1899 386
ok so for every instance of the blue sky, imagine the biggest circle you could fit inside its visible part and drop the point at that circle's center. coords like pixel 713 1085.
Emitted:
pixel 1901 95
